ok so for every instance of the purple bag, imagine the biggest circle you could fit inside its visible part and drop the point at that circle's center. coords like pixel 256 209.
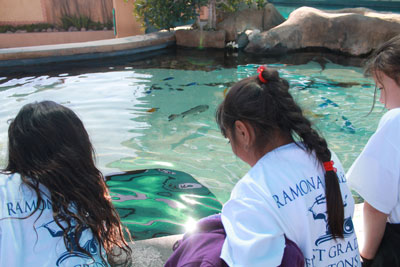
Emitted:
pixel 203 247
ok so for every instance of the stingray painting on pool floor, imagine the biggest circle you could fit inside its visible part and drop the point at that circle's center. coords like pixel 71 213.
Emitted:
pixel 159 202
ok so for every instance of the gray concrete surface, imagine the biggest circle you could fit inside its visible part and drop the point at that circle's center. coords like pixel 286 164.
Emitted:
pixel 10 57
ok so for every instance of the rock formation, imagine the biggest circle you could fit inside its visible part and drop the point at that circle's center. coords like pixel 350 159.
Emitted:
pixel 355 31
pixel 250 19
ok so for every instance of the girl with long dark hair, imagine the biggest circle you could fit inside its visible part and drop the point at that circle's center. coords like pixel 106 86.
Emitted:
pixel 295 188
pixel 56 209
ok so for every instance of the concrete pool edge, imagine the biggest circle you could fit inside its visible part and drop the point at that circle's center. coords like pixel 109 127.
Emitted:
pixel 22 56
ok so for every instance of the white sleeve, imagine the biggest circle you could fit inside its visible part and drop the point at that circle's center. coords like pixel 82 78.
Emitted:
pixel 253 235
pixel 375 173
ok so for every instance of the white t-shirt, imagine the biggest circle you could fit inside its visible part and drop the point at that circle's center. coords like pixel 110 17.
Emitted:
pixel 37 241
pixel 375 174
pixel 283 194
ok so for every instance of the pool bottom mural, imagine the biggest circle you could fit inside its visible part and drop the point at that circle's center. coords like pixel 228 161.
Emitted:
pixel 159 202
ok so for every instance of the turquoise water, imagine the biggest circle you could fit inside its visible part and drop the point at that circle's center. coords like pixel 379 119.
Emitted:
pixel 126 111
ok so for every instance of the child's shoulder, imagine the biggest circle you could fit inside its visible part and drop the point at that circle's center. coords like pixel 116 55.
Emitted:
pixel 9 182
pixel 391 118
pixel 7 179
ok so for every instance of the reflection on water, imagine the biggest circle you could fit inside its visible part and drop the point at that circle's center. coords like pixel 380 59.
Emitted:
pixel 126 110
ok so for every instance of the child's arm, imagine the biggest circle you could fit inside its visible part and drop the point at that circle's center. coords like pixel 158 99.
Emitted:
pixel 374 227
pixel 254 236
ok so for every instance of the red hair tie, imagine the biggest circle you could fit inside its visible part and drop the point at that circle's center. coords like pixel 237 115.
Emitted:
pixel 260 71
pixel 328 166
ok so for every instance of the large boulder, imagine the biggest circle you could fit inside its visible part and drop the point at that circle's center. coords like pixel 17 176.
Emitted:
pixel 352 31
pixel 250 19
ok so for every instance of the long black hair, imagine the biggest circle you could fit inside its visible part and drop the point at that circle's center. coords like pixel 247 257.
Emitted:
pixel 269 107
pixel 48 145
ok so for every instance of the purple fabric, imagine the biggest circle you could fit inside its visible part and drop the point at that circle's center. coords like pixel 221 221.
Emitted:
pixel 203 247
pixel 292 255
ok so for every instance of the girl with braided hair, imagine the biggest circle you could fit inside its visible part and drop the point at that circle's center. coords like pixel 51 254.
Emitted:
pixel 375 174
pixel 55 207
pixel 295 188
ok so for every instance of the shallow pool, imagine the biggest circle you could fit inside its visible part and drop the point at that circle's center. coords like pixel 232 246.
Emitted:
pixel 127 110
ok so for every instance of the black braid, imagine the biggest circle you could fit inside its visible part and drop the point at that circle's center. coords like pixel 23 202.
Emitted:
pixel 301 126
pixel 292 120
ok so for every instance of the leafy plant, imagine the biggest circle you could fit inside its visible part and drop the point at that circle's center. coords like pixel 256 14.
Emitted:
pixel 82 21
pixel 78 22
pixel 28 27
pixel 228 6
pixel 165 14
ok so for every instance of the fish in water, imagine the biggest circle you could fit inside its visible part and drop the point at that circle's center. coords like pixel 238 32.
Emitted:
pixel 155 87
pixel 347 125
pixel 311 114
pixel 226 84
pixel 151 110
pixel 327 101
pixel 225 91
pixel 168 78
pixel 189 84
pixel 196 110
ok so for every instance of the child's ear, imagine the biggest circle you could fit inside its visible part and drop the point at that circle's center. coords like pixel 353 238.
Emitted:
pixel 245 132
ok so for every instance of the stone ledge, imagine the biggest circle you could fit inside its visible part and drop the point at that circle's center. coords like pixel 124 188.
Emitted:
pixel 156 251
pixel 102 46
pixel 153 252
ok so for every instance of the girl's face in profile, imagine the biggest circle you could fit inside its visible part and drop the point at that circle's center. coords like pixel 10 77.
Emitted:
pixel 389 90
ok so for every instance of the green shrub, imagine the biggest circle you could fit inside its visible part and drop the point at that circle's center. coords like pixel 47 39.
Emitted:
pixel 82 21
pixel 27 27
pixel 78 22
pixel 165 14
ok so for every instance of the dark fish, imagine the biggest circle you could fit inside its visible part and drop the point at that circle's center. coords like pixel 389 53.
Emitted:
pixel 179 89
pixel 190 84
pixel 227 84
pixel 168 78
pixel 196 110
pixel 155 87
pixel 345 84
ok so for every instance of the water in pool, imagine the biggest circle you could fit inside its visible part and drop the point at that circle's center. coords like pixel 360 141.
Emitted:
pixel 163 117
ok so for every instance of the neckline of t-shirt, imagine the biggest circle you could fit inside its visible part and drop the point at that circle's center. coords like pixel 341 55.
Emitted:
pixel 284 147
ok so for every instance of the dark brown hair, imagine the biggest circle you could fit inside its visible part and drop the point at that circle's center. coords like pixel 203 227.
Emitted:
pixel 269 107
pixel 385 59
pixel 48 145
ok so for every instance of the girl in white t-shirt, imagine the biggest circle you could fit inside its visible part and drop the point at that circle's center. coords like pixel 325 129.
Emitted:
pixel 295 188
pixel 375 174
pixel 55 207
